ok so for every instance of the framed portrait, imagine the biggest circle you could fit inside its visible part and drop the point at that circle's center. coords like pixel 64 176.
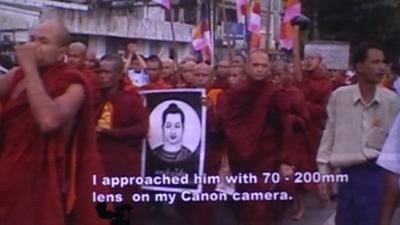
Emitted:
pixel 175 145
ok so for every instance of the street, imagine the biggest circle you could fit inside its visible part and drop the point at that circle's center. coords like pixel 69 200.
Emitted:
pixel 314 215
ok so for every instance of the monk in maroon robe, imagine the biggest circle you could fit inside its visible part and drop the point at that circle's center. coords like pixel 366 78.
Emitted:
pixel 122 123
pixel 76 56
pixel 317 88
pixel 300 155
pixel 170 75
pixel 47 142
pixel 154 69
pixel 186 73
pixel 254 120
pixel 221 75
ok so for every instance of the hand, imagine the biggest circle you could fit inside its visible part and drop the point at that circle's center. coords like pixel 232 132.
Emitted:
pixel 27 55
pixel 205 101
pixel 101 130
pixel 286 170
pixel 132 48
pixel 324 193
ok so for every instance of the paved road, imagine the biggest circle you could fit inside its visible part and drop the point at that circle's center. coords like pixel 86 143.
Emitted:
pixel 314 215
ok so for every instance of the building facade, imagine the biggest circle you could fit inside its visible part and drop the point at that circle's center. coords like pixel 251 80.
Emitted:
pixel 107 26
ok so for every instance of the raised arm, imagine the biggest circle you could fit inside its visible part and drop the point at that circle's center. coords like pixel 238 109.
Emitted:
pixel 50 114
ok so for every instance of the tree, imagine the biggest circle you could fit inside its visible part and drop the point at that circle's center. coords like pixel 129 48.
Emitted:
pixel 358 20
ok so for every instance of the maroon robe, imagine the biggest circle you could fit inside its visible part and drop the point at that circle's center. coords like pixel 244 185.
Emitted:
pixel 172 80
pixel 297 151
pixel 46 177
pixel 253 119
pixel 220 83
pixel 120 146
pixel 317 88
pixel 160 84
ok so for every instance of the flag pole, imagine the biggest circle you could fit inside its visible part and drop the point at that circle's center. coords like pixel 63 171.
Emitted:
pixel 246 24
pixel 229 39
pixel 174 47
pixel 268 28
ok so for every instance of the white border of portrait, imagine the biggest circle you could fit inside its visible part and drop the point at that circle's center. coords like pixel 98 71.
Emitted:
pixel 202 140
pixel 192 127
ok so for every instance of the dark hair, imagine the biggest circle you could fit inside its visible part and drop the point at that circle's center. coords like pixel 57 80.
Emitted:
pixel 173 109
pixel 360 52
pixel 155 59
pixel 116 59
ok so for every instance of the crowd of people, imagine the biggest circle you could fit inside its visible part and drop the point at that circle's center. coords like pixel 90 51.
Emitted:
pixel 66 115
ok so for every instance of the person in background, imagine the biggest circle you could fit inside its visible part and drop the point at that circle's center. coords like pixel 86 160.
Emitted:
pixel 76 56
pixel 187 71
pixel 239 60
pixel 221 74
pixel 91 61
pixel 154 70
pixel 170 74
pixel 122 123
pixel 135 66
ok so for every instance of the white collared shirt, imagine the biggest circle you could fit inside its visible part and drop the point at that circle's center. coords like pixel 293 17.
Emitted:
pixel 355 131
pixel 390 155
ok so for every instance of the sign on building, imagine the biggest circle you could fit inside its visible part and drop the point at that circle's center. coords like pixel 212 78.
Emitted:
pixel 335 55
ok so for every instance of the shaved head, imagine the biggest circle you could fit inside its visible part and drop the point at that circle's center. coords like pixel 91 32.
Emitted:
pixel 78 47
pixel 202 75
pixel 57 28
pixel 91 60
pixel 189 65
pixel 203 68
pixel 223 68
pixel 169 67
pixel 51 39
pixel 258 65
pixel 188 59
pixel 77 54
pixel 187 72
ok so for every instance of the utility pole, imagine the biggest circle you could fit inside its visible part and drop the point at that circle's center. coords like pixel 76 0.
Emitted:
pixel 268 28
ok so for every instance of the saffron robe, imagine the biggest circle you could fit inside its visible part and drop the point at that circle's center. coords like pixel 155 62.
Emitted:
pixel 46 178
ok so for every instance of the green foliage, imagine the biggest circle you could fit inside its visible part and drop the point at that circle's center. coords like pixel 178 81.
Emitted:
pixel 358 20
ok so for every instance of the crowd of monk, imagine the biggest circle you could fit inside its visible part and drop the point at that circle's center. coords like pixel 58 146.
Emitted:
pixel 261 115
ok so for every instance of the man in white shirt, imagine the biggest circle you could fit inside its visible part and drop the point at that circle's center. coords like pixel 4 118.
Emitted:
pixel 390 160
pixel 359 118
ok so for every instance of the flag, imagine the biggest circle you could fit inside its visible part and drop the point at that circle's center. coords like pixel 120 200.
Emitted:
pixel 241 10
pixel 254 25
pixel 165 3
pixel 292 9
pixel 201 35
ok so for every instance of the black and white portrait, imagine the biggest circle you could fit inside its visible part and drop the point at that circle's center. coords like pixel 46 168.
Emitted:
pixel 175 143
